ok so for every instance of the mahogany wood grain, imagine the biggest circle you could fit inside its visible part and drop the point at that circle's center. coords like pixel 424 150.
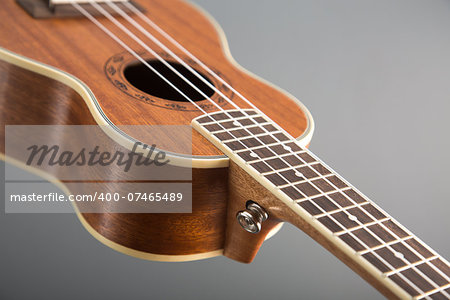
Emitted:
pixel 78 47
pixel 356 231
pixel 28 98
pixel 241 245
pixel 245 187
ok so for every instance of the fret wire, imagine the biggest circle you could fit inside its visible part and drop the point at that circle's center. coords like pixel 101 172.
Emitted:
pixel 434 253
pixel 240 126
pixel 385 228
pixel 370 215
pixel 388 246
pixel 440 289
pixel 270 145
pixel 339 190
pixel 413 267
pixel 361 226
pixel 281 157
pixel 247 137
pixel 414 264
pixel 276 155
pixel 414 286
pixel 251 126
pixel 350 199
pixel 288 164
pixel 422 258
pixel 244 128
pixel 247 113
pixel 268 158
pixel 304 180
pixel 308 180
pixel 429 264
pixel 229 119
pixel 365 226
pixel 357 205
pixel 346 196
pixel 215 122
pixel 290 168
pixel 309 198
pixel 408 264
pixel 380 209
pixel 350 232
pixel 362 252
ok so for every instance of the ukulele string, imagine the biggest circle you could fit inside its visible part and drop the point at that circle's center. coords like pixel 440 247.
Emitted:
pixel 167 50
pixel 132 52
pixel 147 20
pixel 148 49
pixel 338 222
pixel 117 9
pixel 118 24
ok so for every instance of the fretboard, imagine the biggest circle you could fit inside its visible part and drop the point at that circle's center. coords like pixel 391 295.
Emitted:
pixel 344 215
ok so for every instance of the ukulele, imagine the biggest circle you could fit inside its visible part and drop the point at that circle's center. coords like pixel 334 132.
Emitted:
pixel 165 62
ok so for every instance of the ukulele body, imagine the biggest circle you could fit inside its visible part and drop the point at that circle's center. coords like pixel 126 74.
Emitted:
pixel 93 89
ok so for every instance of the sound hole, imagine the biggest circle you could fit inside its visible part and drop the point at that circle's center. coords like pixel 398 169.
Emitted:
pixel 146 80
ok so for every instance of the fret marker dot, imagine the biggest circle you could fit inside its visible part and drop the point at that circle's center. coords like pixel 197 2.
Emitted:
pixel 287 148
pixel 399 255
pixel 253 154
pixel 353 218
pixel 236 123
pixel 298 174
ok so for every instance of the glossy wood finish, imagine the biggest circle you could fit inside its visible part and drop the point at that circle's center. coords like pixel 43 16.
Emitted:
pixel 29 99
pixel 319 202
pixel 243 184
pixel 241 245
pixel 41 9
pixel 79 47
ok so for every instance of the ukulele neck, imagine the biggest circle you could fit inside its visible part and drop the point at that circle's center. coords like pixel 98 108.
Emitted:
pixel 311 196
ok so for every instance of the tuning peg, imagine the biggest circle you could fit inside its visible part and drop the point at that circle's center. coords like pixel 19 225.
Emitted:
pixel 252 218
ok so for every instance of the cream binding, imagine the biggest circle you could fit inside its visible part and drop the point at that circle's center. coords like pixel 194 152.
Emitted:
pixel 195 161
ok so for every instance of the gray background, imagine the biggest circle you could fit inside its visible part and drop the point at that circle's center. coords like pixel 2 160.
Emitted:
pixel 376 76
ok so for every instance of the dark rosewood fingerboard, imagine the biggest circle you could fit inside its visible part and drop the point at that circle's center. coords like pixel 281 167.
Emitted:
pixel 280 162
